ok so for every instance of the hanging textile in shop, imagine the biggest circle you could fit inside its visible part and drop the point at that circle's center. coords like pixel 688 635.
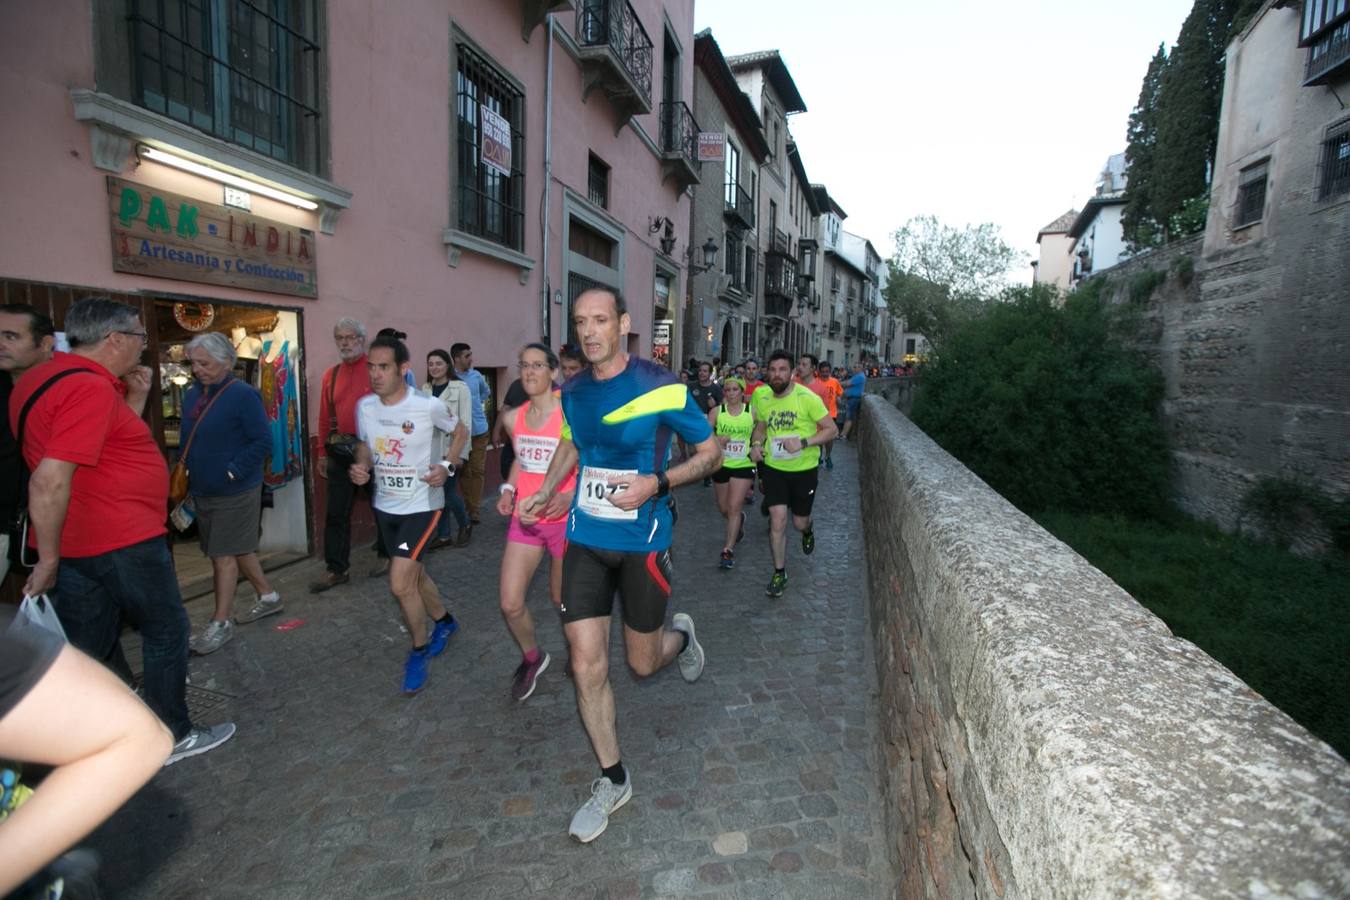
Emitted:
pixel 280 394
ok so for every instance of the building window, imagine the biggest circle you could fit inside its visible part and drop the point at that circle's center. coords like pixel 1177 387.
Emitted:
pixel 1335 162
pixel 597 182
pixel 747 339
pixel 733 173
pixel 1251 199
pixel 749 270
pixel 491 203
pixel 243 71
pixel 731 260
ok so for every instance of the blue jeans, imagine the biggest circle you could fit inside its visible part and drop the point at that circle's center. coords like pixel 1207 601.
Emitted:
pixel 454 504
pixel 93 593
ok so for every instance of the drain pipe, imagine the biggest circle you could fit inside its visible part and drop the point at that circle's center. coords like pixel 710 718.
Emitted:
pixel 546 322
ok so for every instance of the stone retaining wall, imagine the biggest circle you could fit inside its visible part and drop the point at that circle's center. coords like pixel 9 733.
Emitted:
pixel 1046 736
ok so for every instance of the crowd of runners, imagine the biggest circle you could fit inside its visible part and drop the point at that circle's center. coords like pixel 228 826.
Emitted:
pixel 596 441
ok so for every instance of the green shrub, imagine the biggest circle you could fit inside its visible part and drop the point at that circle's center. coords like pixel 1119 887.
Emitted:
pixel 1144 283
pixel 1050 406
pixel 1286 509
pixel 1184 268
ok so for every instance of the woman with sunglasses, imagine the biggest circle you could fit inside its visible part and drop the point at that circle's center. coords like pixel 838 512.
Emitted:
pixel 535 429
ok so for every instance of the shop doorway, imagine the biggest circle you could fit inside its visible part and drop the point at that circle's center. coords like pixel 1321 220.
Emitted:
pixel 268 343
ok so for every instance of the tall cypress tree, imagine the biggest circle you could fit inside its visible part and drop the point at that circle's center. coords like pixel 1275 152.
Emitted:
pixel 1189 96
pixel 1141 137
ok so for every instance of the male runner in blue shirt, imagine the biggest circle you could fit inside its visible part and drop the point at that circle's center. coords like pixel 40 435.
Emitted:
pixel 619 418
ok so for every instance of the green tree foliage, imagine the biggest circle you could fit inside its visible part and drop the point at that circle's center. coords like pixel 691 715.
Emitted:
pixel 941 275
pixel 1174 129
pixel 1050 406
pixel 1141 229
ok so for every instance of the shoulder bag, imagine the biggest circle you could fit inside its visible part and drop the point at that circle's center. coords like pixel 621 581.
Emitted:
pixel 178 478
pixel 341 448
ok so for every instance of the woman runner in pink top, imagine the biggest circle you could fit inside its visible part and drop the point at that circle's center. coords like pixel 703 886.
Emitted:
pixel 535 429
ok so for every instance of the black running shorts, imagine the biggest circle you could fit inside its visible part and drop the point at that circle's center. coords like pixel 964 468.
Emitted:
pixel 407 536
pixel 592 576
pixel 724 474
pixel 795 490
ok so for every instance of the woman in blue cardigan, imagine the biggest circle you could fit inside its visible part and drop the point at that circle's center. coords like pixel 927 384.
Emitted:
pixel 225 476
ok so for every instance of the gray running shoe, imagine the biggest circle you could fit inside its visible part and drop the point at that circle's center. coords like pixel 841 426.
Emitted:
pixel 263 607
pixel 691 660
pixel 214 636
pixel 200 740
pixel 593 818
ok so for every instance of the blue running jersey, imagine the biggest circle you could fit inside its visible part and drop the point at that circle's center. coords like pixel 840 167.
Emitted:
pixel 619 425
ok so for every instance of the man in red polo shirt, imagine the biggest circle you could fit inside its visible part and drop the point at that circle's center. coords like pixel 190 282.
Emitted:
pixel 342 385
pixel 96 503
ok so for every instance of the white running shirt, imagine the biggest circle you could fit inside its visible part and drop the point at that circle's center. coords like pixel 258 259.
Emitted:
pixel 402 443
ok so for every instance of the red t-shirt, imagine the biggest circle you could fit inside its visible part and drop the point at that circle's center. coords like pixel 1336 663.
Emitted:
pixel 353 383
pixel 119 495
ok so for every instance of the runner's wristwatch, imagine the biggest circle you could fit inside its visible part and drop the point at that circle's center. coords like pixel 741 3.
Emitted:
pixel 662 484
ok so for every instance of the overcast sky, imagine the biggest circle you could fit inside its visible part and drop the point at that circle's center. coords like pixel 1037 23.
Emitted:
pixel 971 110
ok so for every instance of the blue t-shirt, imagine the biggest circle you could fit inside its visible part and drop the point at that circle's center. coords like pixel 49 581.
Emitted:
pixel 854 390
pixel 625 424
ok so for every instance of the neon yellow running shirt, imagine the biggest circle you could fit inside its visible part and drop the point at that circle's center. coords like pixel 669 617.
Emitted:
pixel 796 414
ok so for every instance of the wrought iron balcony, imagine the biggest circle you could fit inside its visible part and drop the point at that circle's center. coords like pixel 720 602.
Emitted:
pixel 781 244
pixel 776 305
pixel 834 327
pixel 616 55
pixel 679 145
pixel 1328 56
pixel 738 208
pixel 834 282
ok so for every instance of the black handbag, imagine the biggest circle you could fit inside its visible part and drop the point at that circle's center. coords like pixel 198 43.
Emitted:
pixel 340 448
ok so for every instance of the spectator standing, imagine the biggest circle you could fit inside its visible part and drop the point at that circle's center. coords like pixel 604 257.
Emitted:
pixel 97 499
pixel 443 384
pixel 481 395
pixel 707 396
pixel 853 394
pixel 26 340
pixel 228 438
pixel 342 386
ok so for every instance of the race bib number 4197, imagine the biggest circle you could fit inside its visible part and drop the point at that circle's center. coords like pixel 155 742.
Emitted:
pixel 594 492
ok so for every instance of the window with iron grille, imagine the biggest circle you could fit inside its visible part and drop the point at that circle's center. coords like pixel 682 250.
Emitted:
pixel 1251 199
pixel 597 182
pixel 749 270
pixel 490 204
pixel 731 260
pixel 1334 177
pixel 246 71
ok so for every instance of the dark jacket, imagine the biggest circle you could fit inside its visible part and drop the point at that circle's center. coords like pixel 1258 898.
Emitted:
pixel 235 437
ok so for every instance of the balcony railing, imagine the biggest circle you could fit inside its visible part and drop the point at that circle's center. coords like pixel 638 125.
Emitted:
pixel 834 327
pixel 617 54
pixel 738 208
pixel 780 277
pixel 1328 55
pixel 834 282
pixel 780 243
pixel 679 144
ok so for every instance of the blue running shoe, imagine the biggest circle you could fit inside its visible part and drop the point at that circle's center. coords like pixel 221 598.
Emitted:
pixel 440 636
pixel 415 670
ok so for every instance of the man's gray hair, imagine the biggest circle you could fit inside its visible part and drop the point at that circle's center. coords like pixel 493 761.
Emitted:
pixel 347 323
pixel 92 319
pixel 217 346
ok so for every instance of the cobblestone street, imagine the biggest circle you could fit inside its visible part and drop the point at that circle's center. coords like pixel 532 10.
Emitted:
pixel 757 781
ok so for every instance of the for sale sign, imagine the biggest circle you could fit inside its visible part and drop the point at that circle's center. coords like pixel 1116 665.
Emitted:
pixel 495 140
pixel 712 146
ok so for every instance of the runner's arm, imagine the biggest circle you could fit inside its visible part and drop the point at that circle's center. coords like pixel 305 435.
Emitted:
pixel 757 440
pixel 826 431
pixel 712 423
pixel 563 462
pixel 458 438
pixel 359 471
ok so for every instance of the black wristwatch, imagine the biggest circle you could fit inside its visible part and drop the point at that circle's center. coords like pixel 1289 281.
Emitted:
pixel 662 484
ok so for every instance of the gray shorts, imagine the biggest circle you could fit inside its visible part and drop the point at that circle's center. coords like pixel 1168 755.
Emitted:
pixel 229 526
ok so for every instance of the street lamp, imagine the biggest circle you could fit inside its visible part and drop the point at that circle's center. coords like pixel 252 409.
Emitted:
pixel 709 257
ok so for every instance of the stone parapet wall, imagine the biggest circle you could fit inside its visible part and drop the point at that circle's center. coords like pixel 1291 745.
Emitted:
pixel 1046 736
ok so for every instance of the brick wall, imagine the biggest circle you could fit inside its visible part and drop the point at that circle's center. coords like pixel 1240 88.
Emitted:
pixel 1046 736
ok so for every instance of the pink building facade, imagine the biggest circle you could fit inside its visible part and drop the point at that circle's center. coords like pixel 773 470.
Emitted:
pixel 457 171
